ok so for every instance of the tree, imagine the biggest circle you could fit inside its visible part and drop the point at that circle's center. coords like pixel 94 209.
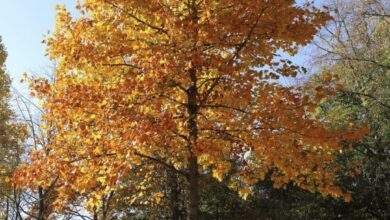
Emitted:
pixel 11 136
pixel 185 85
pixel 35 199
pixel 355 50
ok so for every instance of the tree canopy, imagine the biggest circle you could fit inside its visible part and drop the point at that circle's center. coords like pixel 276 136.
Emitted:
pixel 184 85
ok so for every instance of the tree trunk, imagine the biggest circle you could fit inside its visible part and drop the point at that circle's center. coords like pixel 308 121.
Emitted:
pixel 193 175
pixel 193 208
pixel 6 210
pixel 103 208
pixel 41 209
pixel 95 215
pixel 17 205
pixel 106 200
pixel 173 195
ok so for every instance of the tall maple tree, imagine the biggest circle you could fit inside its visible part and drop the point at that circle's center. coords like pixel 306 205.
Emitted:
pixel 185 85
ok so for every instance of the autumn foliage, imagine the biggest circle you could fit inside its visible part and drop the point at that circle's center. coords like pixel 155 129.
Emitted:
pixel 184 85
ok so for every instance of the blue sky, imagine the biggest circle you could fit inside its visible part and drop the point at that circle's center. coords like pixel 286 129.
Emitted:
pixel 23 24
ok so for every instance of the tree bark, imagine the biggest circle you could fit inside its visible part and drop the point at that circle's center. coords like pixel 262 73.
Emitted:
pixel 193 175
pixel 173 195
pixel 193 209
pixel 6 210
pixel 17 206
pixel 95 215
pixel 41 208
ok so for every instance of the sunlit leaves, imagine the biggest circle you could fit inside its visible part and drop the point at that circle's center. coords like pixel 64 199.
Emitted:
pixel 135 76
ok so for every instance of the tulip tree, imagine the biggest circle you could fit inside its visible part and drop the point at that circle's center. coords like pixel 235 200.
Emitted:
pixel 184 85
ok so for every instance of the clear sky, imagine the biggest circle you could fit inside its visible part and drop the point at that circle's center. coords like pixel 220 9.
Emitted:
pixel 23 24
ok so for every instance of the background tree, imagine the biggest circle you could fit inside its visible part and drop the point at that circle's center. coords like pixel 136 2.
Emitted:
pixel 36 198
pixel 357 47
pixel 353 53
pixel 11 137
